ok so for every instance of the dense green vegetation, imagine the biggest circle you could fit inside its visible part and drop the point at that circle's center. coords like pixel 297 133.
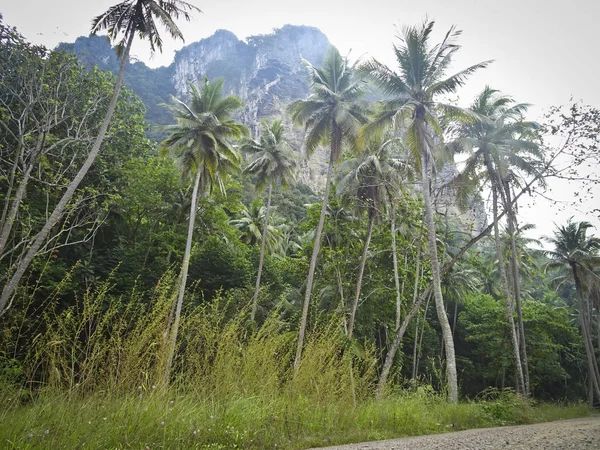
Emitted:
pixel 189 293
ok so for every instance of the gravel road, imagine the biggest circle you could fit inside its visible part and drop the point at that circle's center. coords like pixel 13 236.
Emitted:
pixel 580 434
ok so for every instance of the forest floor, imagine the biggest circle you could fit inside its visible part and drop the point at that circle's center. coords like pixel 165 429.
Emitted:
pixel 580 434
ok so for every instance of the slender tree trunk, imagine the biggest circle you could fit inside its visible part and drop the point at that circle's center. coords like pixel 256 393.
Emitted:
pixel 11 178
pixel 313 265
pixel 516 278
pixel 504 282
pixel 261 259
pixel 590 388
pixel 415 297
pixel 361 272
pixel 40 238
pixel 415 345
pixel 9 216
pixel 183 276
pixel 342 298
pixel 395 262
pixel 451 374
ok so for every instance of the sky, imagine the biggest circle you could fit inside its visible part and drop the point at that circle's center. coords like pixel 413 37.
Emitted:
pixel 545 52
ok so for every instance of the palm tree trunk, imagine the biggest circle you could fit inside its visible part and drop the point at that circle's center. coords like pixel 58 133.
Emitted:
pixel 313 265
pixel 504 282
pixel 391 354
pixel 451 374
pixel 261 259
pixel 415 297
pixel 183 276
pixel 57 214
pixel 361 271
pixel 512 227
pixel 395 262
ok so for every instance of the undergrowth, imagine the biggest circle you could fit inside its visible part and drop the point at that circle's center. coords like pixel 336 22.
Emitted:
pixel 93 377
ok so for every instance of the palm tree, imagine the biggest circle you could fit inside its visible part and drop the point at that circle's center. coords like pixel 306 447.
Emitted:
pixel 504 148
pixel 578 253
pixel 331 115
pixel 367 180
pixel 123 22
pixel 201 141
pixel 272 163
pixel 414 105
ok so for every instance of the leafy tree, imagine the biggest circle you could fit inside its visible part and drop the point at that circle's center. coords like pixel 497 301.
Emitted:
pixel 578 253
pixel 415 92
pixel 272 163
pixel 201 140
pixel 51 110
pixel 123 21
pixel 331 115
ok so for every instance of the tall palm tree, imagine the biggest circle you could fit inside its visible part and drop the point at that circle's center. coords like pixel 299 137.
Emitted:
pixel 502 145
pixel 580 255
pixel 367 180
pixel 202 142
pixel 272 162
pixel 415 92
pixel 331 115
pixel 123 22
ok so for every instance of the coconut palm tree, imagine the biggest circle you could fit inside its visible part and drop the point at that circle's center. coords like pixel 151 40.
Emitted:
pixel 272 162
pixel 201 139
pixel 331 115
pixel 367 180
pixel 123 22
pixel 580 255
pixel 502 145
pixel 414 106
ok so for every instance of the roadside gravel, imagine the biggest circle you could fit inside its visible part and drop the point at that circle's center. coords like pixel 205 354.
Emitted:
pixel 580 434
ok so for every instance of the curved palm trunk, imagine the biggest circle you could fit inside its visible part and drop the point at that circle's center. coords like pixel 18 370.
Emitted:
pixel 512 227
pixel 57 214
pixel 183 276
pixel 361 272
pixel 504 282
pixel 313 265
pixel 391 354
pixel 261 259
pixel 435 268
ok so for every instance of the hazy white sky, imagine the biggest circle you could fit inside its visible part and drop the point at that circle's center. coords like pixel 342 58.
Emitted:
pixel 545 51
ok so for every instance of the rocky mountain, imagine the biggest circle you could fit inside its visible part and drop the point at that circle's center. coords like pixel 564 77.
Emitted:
pixel 266 71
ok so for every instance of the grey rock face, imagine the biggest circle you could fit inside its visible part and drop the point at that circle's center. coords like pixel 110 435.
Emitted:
pixel 267 72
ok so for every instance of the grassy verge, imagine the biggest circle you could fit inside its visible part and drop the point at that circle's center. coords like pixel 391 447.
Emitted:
pixel 157 420
pixel 95 379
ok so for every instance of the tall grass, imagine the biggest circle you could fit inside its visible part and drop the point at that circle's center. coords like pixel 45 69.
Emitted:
pixel 91 377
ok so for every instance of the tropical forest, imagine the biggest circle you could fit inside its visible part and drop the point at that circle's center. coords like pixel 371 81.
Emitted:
pixel 269 244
